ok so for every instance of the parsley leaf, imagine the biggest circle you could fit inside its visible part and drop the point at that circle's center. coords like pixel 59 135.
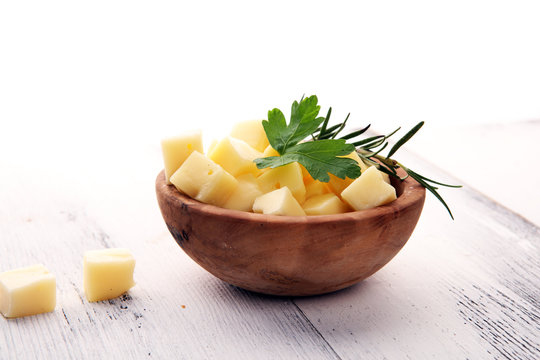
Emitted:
pixel 319 157
pixel 304 122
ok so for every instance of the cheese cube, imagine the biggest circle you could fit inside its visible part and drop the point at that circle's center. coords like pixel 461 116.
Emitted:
pixel 107 273
pixel 204 180
pixel 354 155
pixel 243 197
pixel 324 204
pixel 211 146
pixel 316 187
pixel 252 132
pixel 27 291
pixel 369 190
pixel 278 202
pixel 289 175
pixel 235 156
pixel 176 150
pixel 270 151
pixel 338 185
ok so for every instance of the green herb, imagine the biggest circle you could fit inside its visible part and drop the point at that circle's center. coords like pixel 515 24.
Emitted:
pixel 369 150
pixel 322 154
pixel 319 157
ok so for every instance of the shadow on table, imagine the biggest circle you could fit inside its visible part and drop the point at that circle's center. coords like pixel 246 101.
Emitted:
pixel 368 307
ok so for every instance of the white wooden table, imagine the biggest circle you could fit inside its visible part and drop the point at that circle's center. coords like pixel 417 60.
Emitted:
pixel 468 288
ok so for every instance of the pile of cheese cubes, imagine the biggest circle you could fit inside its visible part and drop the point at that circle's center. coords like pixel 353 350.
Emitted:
pixel 227 177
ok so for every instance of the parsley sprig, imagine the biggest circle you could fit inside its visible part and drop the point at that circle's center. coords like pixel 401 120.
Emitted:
pixel 318 157
pixel 323 153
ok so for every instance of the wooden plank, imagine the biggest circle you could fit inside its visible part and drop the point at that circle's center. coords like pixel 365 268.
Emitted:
pixel 460 289
pixel 463 289
pixel 176 310
pixel 507 148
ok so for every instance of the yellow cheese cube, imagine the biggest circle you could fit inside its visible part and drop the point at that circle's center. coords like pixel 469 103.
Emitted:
pixel 338 185
pixel 243 197
pixel 386 177
pixel 204 180
pixel 316 187
pixel 354 155
pixel 270 151
pixel 176 150
pixel 289 175
pixel 211 146
pixel 107 273
pixel 252 132
pixel 306 175
pixel 27 291
pixel 235 156
pixel 324 204
pixel 278 202
pixel 368 191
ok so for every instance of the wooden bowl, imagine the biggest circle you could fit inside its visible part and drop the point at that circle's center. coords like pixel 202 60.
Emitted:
pixel 287 255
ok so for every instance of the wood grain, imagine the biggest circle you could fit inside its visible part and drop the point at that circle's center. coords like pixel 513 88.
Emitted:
pixel 463 289
pixel 176 310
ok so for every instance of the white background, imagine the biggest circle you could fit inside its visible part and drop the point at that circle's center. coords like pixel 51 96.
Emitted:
pixel 76 76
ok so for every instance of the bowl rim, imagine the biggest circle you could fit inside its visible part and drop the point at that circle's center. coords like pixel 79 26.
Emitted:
pixel 412 192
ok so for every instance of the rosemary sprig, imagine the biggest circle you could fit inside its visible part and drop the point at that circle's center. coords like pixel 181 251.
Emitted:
pixel 370 148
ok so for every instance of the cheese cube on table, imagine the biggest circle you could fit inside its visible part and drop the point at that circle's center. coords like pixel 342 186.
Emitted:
pixel 369 190
pixel 289 175
pixel 245 194
pixel 338 185
pixel 235 156
pixel 27 291
pixel 325 204
pixel 107 273
pixel 252 132
pixel 177 149
pixel 278 202
pixel 204 180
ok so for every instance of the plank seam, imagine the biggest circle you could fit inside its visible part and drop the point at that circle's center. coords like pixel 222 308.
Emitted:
pixel 308 321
